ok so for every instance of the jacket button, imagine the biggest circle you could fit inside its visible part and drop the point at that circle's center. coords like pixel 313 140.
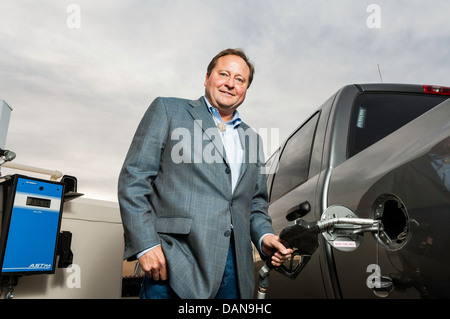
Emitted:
pixel 228 170
pixel 227 233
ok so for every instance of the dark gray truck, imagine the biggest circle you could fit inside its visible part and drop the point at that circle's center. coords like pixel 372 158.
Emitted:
pixel 381 151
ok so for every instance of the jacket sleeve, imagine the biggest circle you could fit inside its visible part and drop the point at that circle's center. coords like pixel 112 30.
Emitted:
pixel 260 221
pixel 136 177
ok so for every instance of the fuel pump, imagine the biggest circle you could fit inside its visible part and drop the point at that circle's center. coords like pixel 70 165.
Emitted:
pixel 30 219
pixel 340 227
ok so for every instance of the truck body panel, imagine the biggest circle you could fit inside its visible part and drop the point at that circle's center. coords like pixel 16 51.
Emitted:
pixel 370 148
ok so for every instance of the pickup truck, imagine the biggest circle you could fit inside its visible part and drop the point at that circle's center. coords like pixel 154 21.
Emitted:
pixel 382 151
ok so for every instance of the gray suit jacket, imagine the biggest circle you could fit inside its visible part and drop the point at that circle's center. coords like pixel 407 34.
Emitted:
pixel 172 193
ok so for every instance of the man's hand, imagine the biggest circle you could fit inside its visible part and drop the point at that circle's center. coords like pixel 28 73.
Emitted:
pixel 153 263
pixel 271 243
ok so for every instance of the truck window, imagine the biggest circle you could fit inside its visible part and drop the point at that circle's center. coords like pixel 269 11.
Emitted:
pixel 376 115
pixel 293 165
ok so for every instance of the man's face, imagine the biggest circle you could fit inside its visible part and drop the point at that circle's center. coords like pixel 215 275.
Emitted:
pixel 227 84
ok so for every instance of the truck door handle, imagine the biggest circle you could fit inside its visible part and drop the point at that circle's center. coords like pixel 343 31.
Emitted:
pixel 298 211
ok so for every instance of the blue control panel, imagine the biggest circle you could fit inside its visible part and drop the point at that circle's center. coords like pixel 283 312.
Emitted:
pixel 34 222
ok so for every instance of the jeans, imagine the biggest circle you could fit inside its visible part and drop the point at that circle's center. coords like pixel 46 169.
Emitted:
pixel 152 289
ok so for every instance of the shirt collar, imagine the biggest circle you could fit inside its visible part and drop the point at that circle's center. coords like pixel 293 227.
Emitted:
pixel 235 121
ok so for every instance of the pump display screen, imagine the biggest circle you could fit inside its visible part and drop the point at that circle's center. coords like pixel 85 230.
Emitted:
pixel 38 202
pixel 34 220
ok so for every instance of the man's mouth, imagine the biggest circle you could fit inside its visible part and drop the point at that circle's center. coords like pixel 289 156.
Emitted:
pixel 226 93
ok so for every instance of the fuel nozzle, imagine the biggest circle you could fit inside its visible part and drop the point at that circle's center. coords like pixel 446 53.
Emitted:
pixel 302 237
pixel 338 225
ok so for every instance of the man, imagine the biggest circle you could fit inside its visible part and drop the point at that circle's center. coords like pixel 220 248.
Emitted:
pixel 190 213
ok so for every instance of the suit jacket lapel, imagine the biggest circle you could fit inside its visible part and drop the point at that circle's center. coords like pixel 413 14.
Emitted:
pixel 203 118
pixel 245 161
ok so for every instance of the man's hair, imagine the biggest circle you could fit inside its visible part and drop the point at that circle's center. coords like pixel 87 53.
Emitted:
pixel 240 53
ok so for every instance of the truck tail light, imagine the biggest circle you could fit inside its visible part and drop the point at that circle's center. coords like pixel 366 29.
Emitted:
pixel 434 89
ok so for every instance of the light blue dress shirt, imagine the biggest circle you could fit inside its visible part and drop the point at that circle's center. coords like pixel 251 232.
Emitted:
pixel 230 141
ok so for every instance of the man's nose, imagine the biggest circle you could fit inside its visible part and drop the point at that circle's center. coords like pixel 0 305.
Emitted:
pixel 230 82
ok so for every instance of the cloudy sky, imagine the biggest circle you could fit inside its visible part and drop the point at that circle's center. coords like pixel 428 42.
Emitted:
pixel 80 74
